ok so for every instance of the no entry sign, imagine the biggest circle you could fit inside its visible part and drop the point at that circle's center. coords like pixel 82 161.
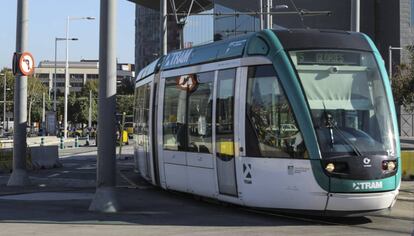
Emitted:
pixel 23 64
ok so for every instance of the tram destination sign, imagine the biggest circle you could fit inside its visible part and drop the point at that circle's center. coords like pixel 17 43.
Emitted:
pixel 328 58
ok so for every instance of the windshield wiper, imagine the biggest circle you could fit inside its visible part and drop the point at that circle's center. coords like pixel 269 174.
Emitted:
pixel 331 125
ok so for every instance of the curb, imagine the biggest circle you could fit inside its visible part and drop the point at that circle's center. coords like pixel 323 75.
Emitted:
pixel 406 199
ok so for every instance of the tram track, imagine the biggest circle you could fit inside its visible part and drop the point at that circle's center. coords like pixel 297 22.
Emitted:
pixel 326 222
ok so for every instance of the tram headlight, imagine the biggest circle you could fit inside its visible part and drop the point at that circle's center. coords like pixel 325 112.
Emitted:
pixel 330 167
pixel 389 165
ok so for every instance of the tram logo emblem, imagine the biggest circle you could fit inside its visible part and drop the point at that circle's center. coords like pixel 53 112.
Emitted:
pixel 247 173
pixel 367 185
pixel 366 162
pixel 178 58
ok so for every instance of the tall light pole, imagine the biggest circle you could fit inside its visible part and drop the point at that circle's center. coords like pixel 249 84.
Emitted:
pixel 390 59
pixel 355 15
pixel 54 76
pixel 65 124
pixel 163 27
pixel 90 110
pixel 4 101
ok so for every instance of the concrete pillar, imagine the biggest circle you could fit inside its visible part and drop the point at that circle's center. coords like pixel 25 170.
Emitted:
pixel 105 198
pixel 19 175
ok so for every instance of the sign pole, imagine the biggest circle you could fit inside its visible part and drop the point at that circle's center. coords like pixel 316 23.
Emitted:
pixel 19 175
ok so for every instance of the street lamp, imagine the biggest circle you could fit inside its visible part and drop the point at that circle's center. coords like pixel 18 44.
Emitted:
pixel 65 124
pixel 390 59
pixel 4 100
pixel 55 77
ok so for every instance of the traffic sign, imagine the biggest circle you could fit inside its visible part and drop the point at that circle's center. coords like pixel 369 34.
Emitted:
pixel 23 64
pixel 26 63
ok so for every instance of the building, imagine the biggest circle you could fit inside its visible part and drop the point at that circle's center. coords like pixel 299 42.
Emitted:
pixel 79 73
pixel 147 36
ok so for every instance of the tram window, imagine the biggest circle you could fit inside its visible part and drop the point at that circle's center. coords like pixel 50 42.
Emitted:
pixel 142 113
pixel 225 113
pixel 200 102
pixel 271 129
pixel 174 120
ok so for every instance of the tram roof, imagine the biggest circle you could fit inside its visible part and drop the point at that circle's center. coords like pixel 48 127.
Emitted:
pixel 217 51
pixel 322 39
pixel 291 39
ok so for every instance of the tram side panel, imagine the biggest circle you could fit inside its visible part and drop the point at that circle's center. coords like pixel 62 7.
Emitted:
pixel 275 169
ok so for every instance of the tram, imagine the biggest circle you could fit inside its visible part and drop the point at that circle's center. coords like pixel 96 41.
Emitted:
pixel 289 120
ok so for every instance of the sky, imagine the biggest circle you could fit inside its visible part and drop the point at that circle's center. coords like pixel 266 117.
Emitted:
pixel 47 20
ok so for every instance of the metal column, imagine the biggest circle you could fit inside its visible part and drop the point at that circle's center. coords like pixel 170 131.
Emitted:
pixel 163 27
pixel 90 110
pixel 19 175
pixel 105 198
pixel 261 14
pixel 4 101
pixel 355 15
pixel 268 14
pixel 67 84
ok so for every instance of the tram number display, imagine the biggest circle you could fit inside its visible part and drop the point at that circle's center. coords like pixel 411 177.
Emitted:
pixel 328 58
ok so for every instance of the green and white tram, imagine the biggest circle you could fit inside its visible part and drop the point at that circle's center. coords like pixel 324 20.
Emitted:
pixel 293 120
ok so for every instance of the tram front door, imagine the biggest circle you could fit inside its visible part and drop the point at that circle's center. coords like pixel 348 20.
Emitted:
pixel 225 155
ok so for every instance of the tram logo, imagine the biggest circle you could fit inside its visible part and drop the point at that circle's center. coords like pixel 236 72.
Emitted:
pixel 366 162
pixel 247 169
pixel 367 185
pixel 178 58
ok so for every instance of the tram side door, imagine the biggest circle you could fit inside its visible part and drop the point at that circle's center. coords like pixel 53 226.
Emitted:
pixel 143 123
pixel 224 132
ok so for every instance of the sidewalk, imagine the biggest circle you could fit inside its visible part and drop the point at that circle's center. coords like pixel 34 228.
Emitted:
pixel 407 191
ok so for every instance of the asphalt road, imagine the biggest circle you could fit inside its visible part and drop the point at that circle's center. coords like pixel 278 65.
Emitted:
pixel 57 204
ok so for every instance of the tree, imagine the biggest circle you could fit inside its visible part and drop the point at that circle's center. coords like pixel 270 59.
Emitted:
pixel 126 87
pixel 93 85
pixel 9 92
pixel 403 83
pixel 35 90
pixel 125 103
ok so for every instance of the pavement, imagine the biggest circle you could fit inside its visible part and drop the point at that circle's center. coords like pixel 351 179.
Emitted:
pixel 57 203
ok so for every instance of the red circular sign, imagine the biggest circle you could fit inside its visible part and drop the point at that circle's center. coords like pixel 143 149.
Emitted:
pixel 26 63
pixel 186 82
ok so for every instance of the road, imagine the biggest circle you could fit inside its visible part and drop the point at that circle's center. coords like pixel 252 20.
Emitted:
pixel 57 204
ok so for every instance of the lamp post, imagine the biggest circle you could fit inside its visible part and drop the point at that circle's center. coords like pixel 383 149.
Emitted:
pixel 54 77
pixel 390 59
pixel 65 124
pixel 4 100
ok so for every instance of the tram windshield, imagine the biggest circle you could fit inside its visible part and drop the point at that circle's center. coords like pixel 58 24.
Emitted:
pixel 347 100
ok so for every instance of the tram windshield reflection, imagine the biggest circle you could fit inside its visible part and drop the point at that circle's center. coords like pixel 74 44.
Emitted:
pixel 347 100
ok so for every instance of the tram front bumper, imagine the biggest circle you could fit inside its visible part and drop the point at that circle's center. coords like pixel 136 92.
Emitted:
pixel 359 202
